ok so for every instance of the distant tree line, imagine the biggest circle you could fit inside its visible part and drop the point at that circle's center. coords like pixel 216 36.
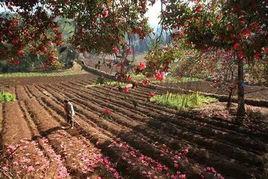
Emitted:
pixel 144 45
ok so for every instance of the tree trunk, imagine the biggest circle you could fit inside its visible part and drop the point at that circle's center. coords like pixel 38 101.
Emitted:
pixel 231 90
pixel 240 93
pixel 133 51
pixel 229 102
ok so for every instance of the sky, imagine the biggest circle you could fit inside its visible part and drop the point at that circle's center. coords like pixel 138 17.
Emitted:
pixel 154 13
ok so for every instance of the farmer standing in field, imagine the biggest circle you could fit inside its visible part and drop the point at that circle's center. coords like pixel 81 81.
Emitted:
pixel 69 110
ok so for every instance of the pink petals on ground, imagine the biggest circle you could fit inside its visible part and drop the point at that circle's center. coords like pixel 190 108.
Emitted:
pixel 25 159
pixel 210 172
pixel 107 111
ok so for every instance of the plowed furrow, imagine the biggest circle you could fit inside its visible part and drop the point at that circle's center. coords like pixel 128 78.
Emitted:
pixel 240 155
pixel 227 166
pixel 28 154
pixel 210 130
pixel 10 89
pixel 125 134
pixel 200 129
pixel 57 167
pixel 27 91
pixel 22 94
pixel 59 101
pixel 18 122
pixel 139 93
pixel 70 148
pixel 116 152
pixel 105 169
pixel 223 125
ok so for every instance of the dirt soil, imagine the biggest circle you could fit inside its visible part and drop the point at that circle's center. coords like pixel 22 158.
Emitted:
pixel 136 139
pixel 37 80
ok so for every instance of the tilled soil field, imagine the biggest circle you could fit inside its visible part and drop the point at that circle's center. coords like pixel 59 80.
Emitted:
pixel 5 82
pixel 138 139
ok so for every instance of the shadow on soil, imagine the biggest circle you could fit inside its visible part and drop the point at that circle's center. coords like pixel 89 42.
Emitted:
pixel 48 132
pixel 212 143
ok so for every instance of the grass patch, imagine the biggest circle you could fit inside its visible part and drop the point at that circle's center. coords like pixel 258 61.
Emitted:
pixel 1 125
pixel 182 101
pixel 181 80
pixel 137 77
pixel 38 74
pixel 169 79
pixel 7 97
pixel 104 82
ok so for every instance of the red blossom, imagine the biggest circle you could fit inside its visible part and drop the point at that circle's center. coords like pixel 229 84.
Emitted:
pixel 240 55
pixel 255 26
pixel 21 53
pixel 229 27
pixel 242 20
pixel 185 151
pixel 59 43
pixel 128 78
pixel 210 170
pixel 128 51
pixel 141 66
pixel 116 50
pixel 265 50
pixel 257 56
pixel 182 176
pixel 209 23
pixel 236 46
pixel 126 89
pixel 245 33
pixel 176 165
pixel 151 94
pixel 105 13
pixel 160 75
pixel 129 85
pixel 16 62
pixel 15 41
pixel 198 9
pixel 179 34
pixel 145 82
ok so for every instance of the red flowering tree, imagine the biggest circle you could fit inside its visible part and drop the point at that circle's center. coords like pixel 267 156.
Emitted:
pixel 101 26
pixel 240 26
pixel 159 60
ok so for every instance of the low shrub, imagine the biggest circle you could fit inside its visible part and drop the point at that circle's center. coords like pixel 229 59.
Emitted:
pixel 182 101
pixel 7 97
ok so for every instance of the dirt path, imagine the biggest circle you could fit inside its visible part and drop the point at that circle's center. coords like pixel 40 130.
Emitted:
pixel 7 82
